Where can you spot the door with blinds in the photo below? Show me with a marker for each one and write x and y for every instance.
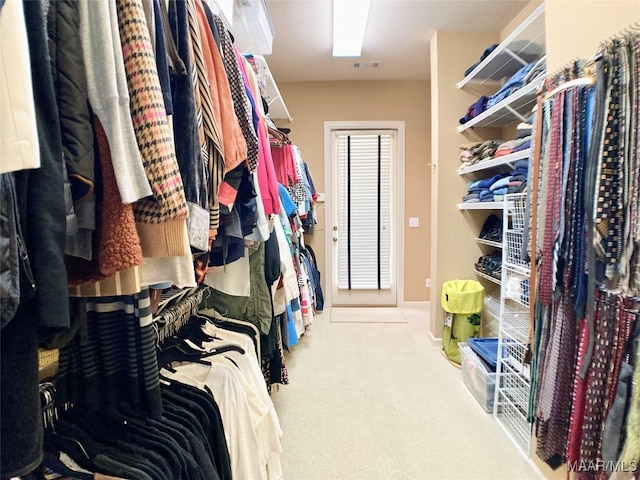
(364, 211)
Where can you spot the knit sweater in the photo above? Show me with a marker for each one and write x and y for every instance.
(160, 219)
(108, 94)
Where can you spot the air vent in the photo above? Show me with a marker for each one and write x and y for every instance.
(366, 64)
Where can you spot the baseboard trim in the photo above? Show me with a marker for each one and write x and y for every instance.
(536, 468)
(435, 341)
(421, 304)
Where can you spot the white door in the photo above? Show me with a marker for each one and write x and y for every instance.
(364, 215)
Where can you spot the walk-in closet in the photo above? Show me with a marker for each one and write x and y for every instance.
(320, 239)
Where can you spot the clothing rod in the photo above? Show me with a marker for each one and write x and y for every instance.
(571, 83)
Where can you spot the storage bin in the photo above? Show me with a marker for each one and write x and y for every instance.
(486, 349)
(478, 379)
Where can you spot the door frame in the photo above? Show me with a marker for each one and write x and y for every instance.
(330, 126)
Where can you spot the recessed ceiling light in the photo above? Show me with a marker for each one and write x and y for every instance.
(349, 25)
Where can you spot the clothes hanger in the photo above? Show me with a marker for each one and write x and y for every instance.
(220, 320)
(194, 332)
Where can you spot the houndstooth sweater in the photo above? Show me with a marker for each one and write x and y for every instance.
(160, 220)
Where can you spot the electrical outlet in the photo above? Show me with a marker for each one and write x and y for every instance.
(427, 283)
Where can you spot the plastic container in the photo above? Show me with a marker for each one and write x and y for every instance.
(487, 349)
(478, 379)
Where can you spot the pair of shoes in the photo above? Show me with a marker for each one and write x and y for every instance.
(490, 265)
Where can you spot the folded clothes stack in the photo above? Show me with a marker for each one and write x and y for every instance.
(518, 178)
(513, 146)
(472, 153)
(493, 189)
(485, 54)
(522, 77)
(475, 109)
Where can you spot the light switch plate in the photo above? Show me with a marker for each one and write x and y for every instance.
(414, 222)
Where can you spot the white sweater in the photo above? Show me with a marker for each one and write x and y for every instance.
(19, 147)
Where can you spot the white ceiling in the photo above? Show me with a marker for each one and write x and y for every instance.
(397, 34)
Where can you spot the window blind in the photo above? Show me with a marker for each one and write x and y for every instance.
(364, 211)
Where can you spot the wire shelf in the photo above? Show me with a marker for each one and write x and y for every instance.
(488, 277)
(489, 242)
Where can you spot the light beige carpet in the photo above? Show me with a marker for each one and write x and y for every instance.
(373, 401)
(367, 315)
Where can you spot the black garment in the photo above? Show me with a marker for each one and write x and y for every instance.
(205, 405)
(40, 191)
(317, 279)
(188, 420)
(16, 278)
(190, 443)
(21, 422)
(70, 83)
(40, 200)
(246, 202)
(119, 469)
(87, 431)
(80, 452)
(185, 126)
(271, 259)
(171, 445)
(155, 444)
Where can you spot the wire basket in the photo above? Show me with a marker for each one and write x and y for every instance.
(516, 324)
(514, 421)
(516, 210)
(515, 357)
(515, 286)
(514, 241)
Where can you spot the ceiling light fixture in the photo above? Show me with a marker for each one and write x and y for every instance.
(349, 25)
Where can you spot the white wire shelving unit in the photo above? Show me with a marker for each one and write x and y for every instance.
(513, 380)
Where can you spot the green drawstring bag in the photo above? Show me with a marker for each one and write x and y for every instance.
(462, 301)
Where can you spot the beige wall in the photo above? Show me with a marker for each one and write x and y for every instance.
(312, 103)
(575, 28)
(527, 10)
(453, 249)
